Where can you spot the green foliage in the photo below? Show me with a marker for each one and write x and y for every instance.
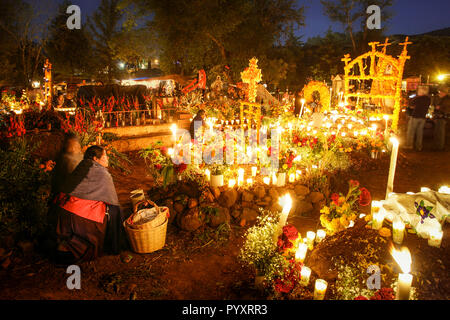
(24, 191)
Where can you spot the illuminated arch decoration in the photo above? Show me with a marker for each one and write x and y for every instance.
(323, 90)
(383, 70)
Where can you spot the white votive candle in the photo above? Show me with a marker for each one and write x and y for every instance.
(398, 231)
(377, 221)
(404, 286)
(320, 235)
(310, 236)
(300, 254)
(254, 169)
(208, 174)
(435, 238)
(292, 178)
(320, 289)
(266, 180)
(305, 275)
(231, 183)
(249, 181)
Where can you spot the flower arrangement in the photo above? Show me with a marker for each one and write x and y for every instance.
(159, 164)
(342, 209)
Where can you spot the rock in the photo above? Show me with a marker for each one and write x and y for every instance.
(318, 206)
(190, 189)
(246, 204)
(222, 216)
(190, 220)
(25, 246)
(236, 213)
(216, 192)
(228, 198)
(178, 207)
(273, 193)
(207, 196)
(275, 206)
(249, 215)
(262, 204)
(267, 199)
(301, 190)
(192, 203)
(316, 197)
(304, 207)
(172, 212)
(247, 196)
(259, 192)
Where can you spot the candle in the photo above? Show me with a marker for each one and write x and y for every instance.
(319, 289)
(173, 128)
(320, 235)
(231, 183)
(305, 274)
(398, 230)
(249, 181)
(266, 180)
(393, 164)
(444, 190)
(310, 236)
(403, 259)
(301, 110)
(254, 171)
(298, 174)
(377, 221)
(208, 174)
(240, 176)
(300, 254)
(286, 203)
(424, 189)
(386, 118)
(274, 178)
(292, 178)
(435, 238)
(170, 152)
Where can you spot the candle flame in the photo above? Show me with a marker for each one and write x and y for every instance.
(403, 258)
(286, 202)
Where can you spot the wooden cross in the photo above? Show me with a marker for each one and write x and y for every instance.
(384, 45)
(373, 45)
(346, 59)
(405, 44)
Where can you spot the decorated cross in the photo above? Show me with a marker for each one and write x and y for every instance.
(373, 45)
(346, 59)
(384, 45)
(405, 44)
(252, 75)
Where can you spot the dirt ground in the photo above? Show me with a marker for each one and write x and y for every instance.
(204, 265)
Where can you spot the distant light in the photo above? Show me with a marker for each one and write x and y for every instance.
(441, 77)
(36, 84)
(121, 65)
(156, 61)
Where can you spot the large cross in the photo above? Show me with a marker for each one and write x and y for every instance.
(373, 45)
(252, 75)
(346, 59)
(405, 44)
(384, 45)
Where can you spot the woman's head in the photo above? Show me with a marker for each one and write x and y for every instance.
(71, 143)
(97, 154)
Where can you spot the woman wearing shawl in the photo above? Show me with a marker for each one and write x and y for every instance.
(89, 212)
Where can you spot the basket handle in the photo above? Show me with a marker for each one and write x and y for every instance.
(145, 202)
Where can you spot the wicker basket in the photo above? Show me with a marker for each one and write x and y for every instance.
(147, 218)
(150, 236)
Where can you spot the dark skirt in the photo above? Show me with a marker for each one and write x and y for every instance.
(84, 238)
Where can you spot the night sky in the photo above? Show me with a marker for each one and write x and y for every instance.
(410, 16)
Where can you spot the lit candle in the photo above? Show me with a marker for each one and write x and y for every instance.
(208, 174)
(393, 164)
(266, 180)
(377, 221)
(298, 174)
(274, 178)
(424, 189)
(240, 176)
(301, 110)
(386, 118)
(305, 274)
(435, 238)
(398, 230)
(286, 203)
(300, 254)
(173, 128)
(403, 259)
(310, 236)
(249, 181)
(254, 171)
(320, 289)
(320, 235)
(444, 190)
(170, 152)
(292, 178)
(231, 183)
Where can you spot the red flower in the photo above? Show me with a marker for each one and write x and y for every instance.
(180, 168)
(158, 166)
(290, 232)
(354, 183)
(335, 198)
(283, 286)
(383, 294)
(361, 298)
(364, 198)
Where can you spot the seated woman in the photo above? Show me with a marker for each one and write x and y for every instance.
(88, 211)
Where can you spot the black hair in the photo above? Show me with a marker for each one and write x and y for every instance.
(93, 151)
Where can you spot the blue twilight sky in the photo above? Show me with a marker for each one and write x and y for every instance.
(410, 16)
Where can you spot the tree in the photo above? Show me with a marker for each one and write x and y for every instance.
(353, 12)
(69, 51)
(105, 25)
(201, 34)
(24, 26)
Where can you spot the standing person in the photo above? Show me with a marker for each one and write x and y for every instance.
(442, 110)
(89, 212)
(200, 118)
(419, 106)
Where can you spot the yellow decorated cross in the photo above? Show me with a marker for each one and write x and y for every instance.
(252, 75)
